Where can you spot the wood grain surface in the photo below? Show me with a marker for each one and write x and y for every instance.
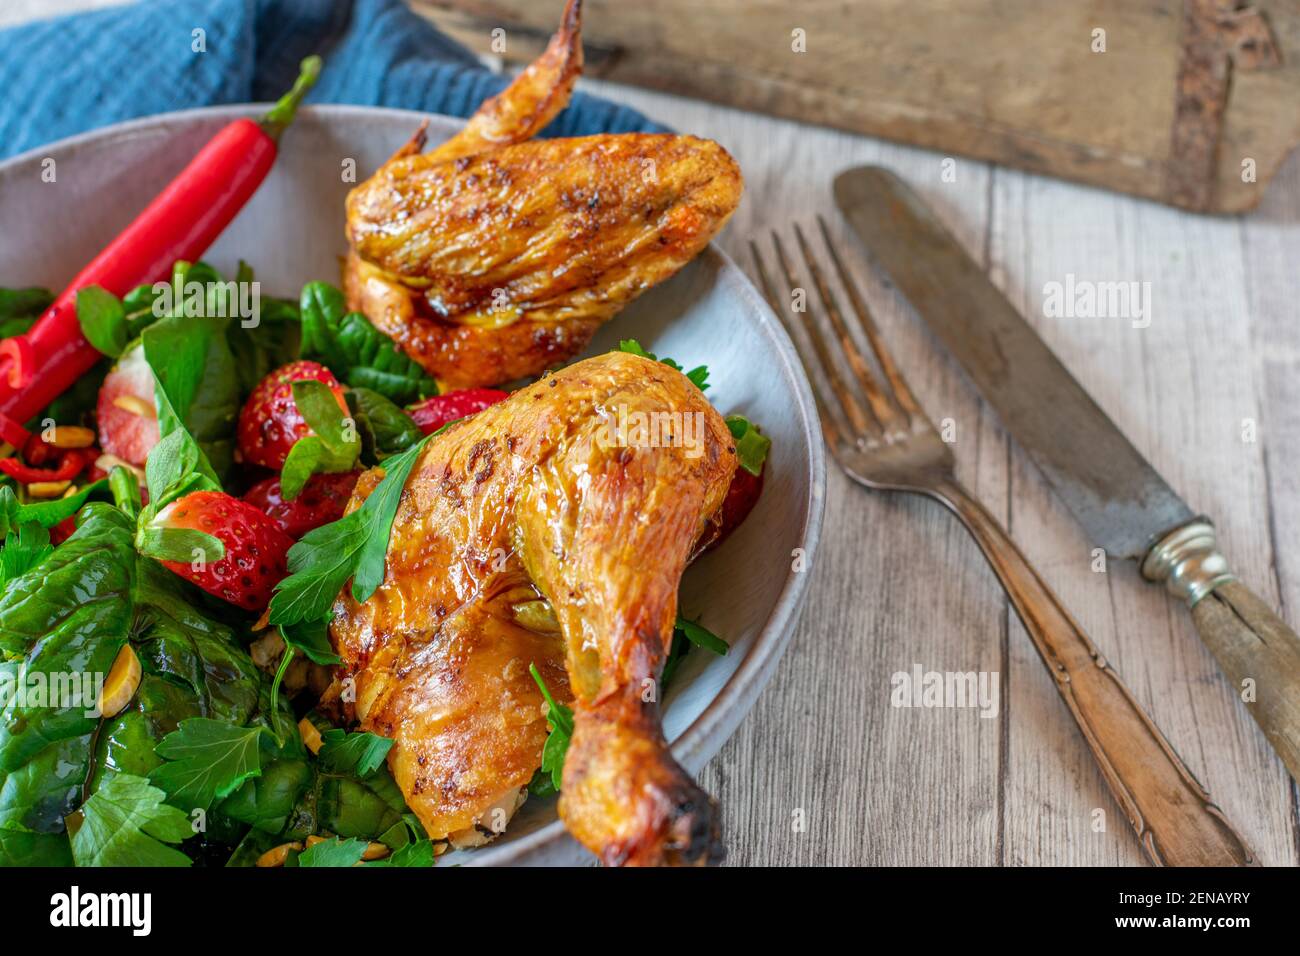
(825, 770)
(1160, 98)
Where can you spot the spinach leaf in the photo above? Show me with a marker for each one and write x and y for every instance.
(103, 320)
(71, 615)
(60, 623)
(126, 823)
(354, 350)
(45, 513)
(273, 342)
(385, 428)
(197, 386)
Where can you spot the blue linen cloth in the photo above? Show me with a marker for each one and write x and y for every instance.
(66, 75)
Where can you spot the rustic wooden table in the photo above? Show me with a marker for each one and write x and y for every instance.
(825, 770)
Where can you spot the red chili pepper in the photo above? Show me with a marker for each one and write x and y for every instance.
(181, 223)
(69, 465)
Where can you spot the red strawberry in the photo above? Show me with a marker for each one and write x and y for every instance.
(126, 412)
(432, 413)
(270, 422)
(321, 501)
(742, 495)
(256, 549)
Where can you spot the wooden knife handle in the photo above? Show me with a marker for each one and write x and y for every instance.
(1256, 650)
(1176, 821)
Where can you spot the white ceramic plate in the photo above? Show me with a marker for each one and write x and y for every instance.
(747, 591)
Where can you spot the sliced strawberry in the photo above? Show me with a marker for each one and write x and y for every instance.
(126, 413)
(742, 495)
(321, 501)
(256, 548)
(432, 413)
(63, 530)
(270, 422)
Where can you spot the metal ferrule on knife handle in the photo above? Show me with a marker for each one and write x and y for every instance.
(1254, 647)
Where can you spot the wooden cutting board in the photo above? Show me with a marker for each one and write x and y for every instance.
(1192, 103)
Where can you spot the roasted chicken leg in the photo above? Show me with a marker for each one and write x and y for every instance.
(542, 498)
(494, 257)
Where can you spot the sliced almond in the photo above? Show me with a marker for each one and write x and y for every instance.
(48, 489)
(72, 436)
(121, 683)
(310, 735)
(277, 855)
(107, 462)
(136, 406)
(374, 851)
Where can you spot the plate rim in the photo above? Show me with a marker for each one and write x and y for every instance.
(716, 724)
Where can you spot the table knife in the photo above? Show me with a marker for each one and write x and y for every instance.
(1118, 497)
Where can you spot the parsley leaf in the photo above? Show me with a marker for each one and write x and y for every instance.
(334, 852)
(355, 546)
(206, 760)
(126, 823)
(360, 754)
(416, 853)
(751, 445)
(333, 446)
(312, 638)
(561, 720)
(699, 376)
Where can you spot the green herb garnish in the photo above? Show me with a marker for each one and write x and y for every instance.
(126, 823)
(751, 445)
(699, 375)
(360, 754)
(334, 445)
(206, 760)
(560, 719)
(355, 546)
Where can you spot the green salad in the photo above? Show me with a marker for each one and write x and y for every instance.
(155, 710)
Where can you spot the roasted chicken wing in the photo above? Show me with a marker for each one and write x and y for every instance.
(545, 501)
(495, 256)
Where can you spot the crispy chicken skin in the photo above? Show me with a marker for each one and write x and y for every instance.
(523, 109)
(494, 256)
(537, 495)
(520, 253)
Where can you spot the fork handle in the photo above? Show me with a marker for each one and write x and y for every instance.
(1176, 821)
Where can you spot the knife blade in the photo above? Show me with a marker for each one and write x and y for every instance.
(1119, 498)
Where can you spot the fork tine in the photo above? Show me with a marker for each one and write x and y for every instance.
(906, 400)
(853, 411)
(885, 411)
(829, 426)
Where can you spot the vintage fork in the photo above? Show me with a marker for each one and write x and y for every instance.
(882, 439)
